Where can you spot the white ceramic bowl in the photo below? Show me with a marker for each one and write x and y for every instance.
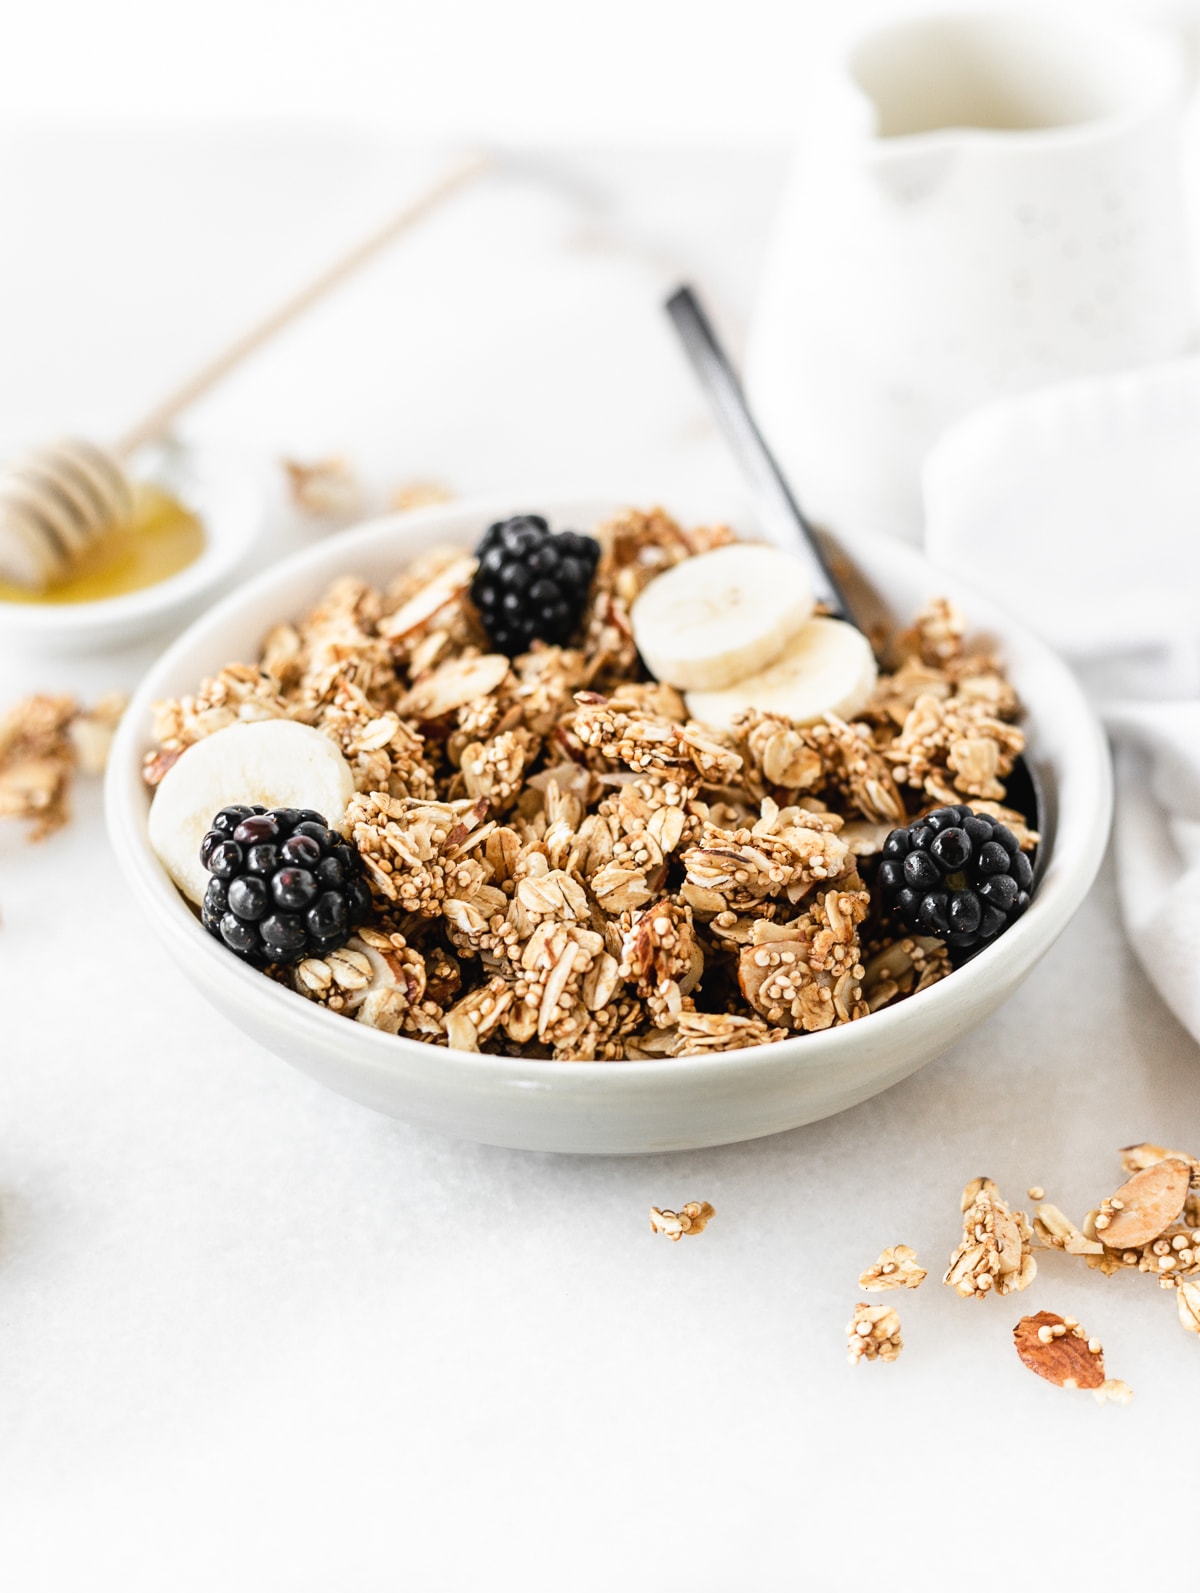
(227, 492)
(621, 1107)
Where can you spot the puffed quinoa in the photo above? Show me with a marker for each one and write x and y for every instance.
(562, 863)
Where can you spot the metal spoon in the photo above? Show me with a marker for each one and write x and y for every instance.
(777, 507)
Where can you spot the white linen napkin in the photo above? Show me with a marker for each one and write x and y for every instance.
(1078, 507)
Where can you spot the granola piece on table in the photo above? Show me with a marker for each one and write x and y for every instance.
(1146, 1205)
(37, 762)
(44, 742)
(896, 1269)
(994, 1256)
(325, 487)
(874, 1333)
(689, 1219)
(1058, 1349)
(1187, 1300)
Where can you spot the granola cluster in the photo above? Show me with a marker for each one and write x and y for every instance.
(44, 742)
(563, 864)
(1150, 1224)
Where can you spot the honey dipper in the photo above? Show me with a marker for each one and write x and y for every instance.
(58, 500)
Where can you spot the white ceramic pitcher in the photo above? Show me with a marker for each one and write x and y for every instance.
(981, 203)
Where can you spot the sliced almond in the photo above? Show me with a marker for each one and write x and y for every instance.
(1187, 1299)
(1144, 1205)
(1063, 1358)
(453, 684)
(445, 586)
(1136, 1157)
(1057, 1232)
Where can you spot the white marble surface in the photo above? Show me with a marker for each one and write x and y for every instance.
(254, 1337)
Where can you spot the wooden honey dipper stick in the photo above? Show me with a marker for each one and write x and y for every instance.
(57, 500)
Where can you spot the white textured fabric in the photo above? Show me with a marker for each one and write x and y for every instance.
(1083, 501)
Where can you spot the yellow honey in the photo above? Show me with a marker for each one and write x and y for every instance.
(162, 538)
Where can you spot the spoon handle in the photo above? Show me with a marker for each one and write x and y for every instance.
(778, 509)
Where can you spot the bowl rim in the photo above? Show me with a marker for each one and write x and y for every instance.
(238, 503)
(1071, 868)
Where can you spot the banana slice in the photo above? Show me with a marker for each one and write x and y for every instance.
(716, 618)
(275, 762)
(828, 668)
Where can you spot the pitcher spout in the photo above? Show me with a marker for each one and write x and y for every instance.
(912, 169)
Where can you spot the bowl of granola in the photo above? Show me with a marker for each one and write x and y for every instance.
(558, 911)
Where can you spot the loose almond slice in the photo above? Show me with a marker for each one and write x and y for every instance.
(1058, 1349)
(1187, 1299)
(1144, 1206)
(1057, 1232)
(1134, 1158)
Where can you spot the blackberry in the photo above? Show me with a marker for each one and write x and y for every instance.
(956, 874)
(532, 583)
(284, 885)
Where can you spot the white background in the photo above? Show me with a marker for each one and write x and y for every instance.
(617, 72)
(255, 1338)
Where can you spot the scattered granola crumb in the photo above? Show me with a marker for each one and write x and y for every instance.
(873, 1334)
(994, 1255)
(1187, 1300)
(1113, 1392)
(419, 495)
(1059, 1350)
(44, 741)
(689, 1219)
(1036, 1192)
(896, 1269)
(326, 487)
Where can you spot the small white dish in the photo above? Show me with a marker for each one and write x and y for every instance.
(226, 492)
(622, 1107)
